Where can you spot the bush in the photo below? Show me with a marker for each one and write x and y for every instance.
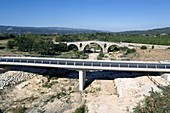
(19, 109)
(100, 56)
(143, 47)
(81, 109)
(129, 51)
(157, 102)
(80, 55)
(124, 48)
(113, 48)
(10, 44)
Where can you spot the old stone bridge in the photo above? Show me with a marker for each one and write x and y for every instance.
(106, 45)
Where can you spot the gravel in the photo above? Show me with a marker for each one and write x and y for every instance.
(21, 74)
(12, 78)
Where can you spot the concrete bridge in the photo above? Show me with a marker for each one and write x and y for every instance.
(106, 45)
(84, 65)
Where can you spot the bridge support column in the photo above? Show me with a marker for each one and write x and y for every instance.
(82, 79)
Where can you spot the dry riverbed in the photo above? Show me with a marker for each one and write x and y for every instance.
(107, 92)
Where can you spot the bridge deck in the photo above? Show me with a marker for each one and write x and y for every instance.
(87, 64)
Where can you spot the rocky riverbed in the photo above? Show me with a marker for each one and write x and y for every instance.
(12, 78)
(32, 91)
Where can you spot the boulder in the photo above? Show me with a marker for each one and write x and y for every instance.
(166, 76)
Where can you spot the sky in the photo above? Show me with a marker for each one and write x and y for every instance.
(109, 15)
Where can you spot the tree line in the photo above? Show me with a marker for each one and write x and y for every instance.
(7, 36)
(112, 37)
(129, 38)
(35, 43)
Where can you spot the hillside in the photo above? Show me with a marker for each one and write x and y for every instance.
(151, 31)
(44, 30)
(64, 30)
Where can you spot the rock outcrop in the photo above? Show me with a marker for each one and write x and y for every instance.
(107, 92)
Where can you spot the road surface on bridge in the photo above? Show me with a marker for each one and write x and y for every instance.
(81, 64)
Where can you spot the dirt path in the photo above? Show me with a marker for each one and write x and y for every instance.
(93, 56)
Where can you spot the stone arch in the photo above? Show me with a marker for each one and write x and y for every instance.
(72, 47)
(99, 45)
(109, 47)
(104, 45)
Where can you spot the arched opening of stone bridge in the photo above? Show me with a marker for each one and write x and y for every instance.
(93, 48)
(113, 48)
(72, 47)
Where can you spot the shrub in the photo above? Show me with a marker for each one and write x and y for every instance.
(19, 109)
(80, 55)
(124, 48)
(157, 102)
(130, 51)
(10, 44)
(113, 48)
(100, 56)
(81, 109)
(116, 49)
(143, 47)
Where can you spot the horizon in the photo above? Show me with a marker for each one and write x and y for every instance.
(112, 16)
(89, 29)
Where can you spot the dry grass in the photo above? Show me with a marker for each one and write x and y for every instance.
(4, 42)
(152, 55)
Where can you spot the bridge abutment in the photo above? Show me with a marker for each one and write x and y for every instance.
(82, 79)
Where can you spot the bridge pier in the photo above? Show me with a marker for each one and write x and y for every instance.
(82, 79)
(105, 50)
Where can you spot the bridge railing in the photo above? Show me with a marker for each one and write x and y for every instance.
(85, 63)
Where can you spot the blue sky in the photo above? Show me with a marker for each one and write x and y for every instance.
(111, 15)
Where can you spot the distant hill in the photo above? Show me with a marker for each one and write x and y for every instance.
(44, 30)
(64, 30)
(152, 31)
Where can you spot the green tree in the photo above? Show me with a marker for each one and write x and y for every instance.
(24, 43)
(46, 47)
(61, 47)
(10, 44)
(143, 47)
(156, 102)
